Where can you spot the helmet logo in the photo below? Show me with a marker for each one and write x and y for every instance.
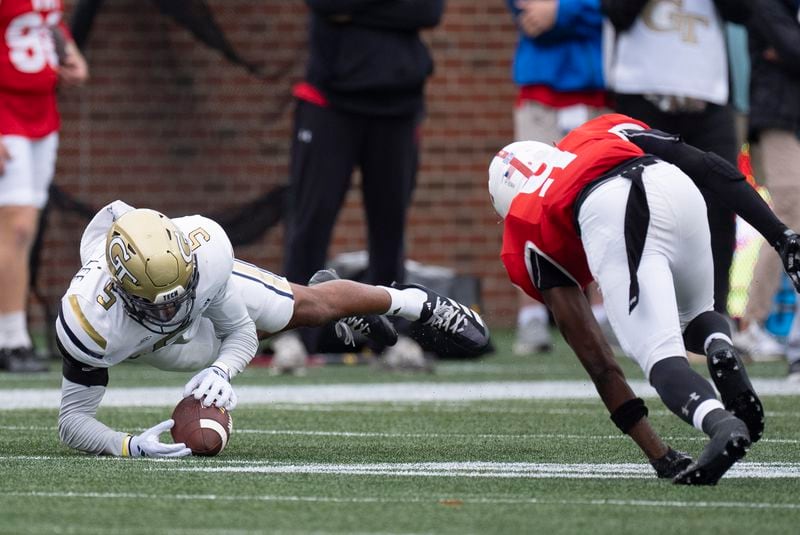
(185, 249)
(120, 271)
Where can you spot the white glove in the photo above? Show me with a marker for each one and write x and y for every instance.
(148, 445)
(213, 385)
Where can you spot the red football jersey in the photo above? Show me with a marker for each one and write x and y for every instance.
(28, 67)
(543, 220)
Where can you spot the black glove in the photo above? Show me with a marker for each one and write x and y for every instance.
(671, 464)
(788, 247)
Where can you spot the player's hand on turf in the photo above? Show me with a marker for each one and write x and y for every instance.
(213, 386)
(788, 247)
(671, 464)
(147, 444)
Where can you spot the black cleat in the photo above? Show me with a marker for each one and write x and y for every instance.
(671, 464)
(738, 395)
(447, 322)
(729, 443)
(21, 360)
(374, 327)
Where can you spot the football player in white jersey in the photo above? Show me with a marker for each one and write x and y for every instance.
(171, 293)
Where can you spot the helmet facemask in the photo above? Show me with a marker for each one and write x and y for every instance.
(171, 311)
(153, 270)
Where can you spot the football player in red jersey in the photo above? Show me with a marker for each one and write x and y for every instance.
(36, 53)
(619, 203)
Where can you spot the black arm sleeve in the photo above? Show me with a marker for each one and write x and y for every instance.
(80, 373)
(714, 176)
(622, 13)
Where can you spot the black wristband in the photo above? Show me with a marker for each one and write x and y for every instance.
(628, 414)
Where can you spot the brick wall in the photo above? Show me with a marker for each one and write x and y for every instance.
(169, 124)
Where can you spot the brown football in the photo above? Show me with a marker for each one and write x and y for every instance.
(204, 430)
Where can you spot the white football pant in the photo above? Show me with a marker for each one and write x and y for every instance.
(676, 277)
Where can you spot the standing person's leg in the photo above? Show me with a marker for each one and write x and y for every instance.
(323, 156)
(714, 130)
(534, 121)
(322, 160)
(23, 192)
(389, 158)
(781, 163)
(777, 155)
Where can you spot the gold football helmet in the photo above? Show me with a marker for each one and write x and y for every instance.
(153, 269)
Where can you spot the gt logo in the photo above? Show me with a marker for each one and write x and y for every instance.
(119, 267)
(672, 16)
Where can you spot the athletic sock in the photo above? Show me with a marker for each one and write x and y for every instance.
(406, 303)
(711, 420)
(528, 313)
(705, 328)
(684, 391)
(14, 330)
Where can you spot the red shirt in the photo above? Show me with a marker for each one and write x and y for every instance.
(547, 220)
(28, 67)
(548, 96)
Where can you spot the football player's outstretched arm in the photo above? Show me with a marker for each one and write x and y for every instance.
(574, 318)
(82, 389)
(85, 377)
(77, 426)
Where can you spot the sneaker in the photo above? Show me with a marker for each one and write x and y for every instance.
(374, 327)
(532, 337)
(406, 355)
(738, 395)
(289, 355)
(729, 443)
(447, 323)
(794, 372)
(758, 344)
(21, 360)
(671, 464)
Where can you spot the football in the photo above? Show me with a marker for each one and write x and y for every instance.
(204, 430)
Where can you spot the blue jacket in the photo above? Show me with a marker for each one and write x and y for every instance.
(568, 57)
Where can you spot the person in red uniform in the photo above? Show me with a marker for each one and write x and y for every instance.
(36, 53)
(622, 204)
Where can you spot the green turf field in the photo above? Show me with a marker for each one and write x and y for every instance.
(465, 465)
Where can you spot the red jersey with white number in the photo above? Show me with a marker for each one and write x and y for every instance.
(28, 67)
(543, 220)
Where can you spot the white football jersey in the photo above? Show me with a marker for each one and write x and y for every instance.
(93, 326)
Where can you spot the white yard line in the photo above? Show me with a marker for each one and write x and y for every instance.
(24, 398)
(492, 470)
(378, 434)
(748, 470)
(444, 500)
